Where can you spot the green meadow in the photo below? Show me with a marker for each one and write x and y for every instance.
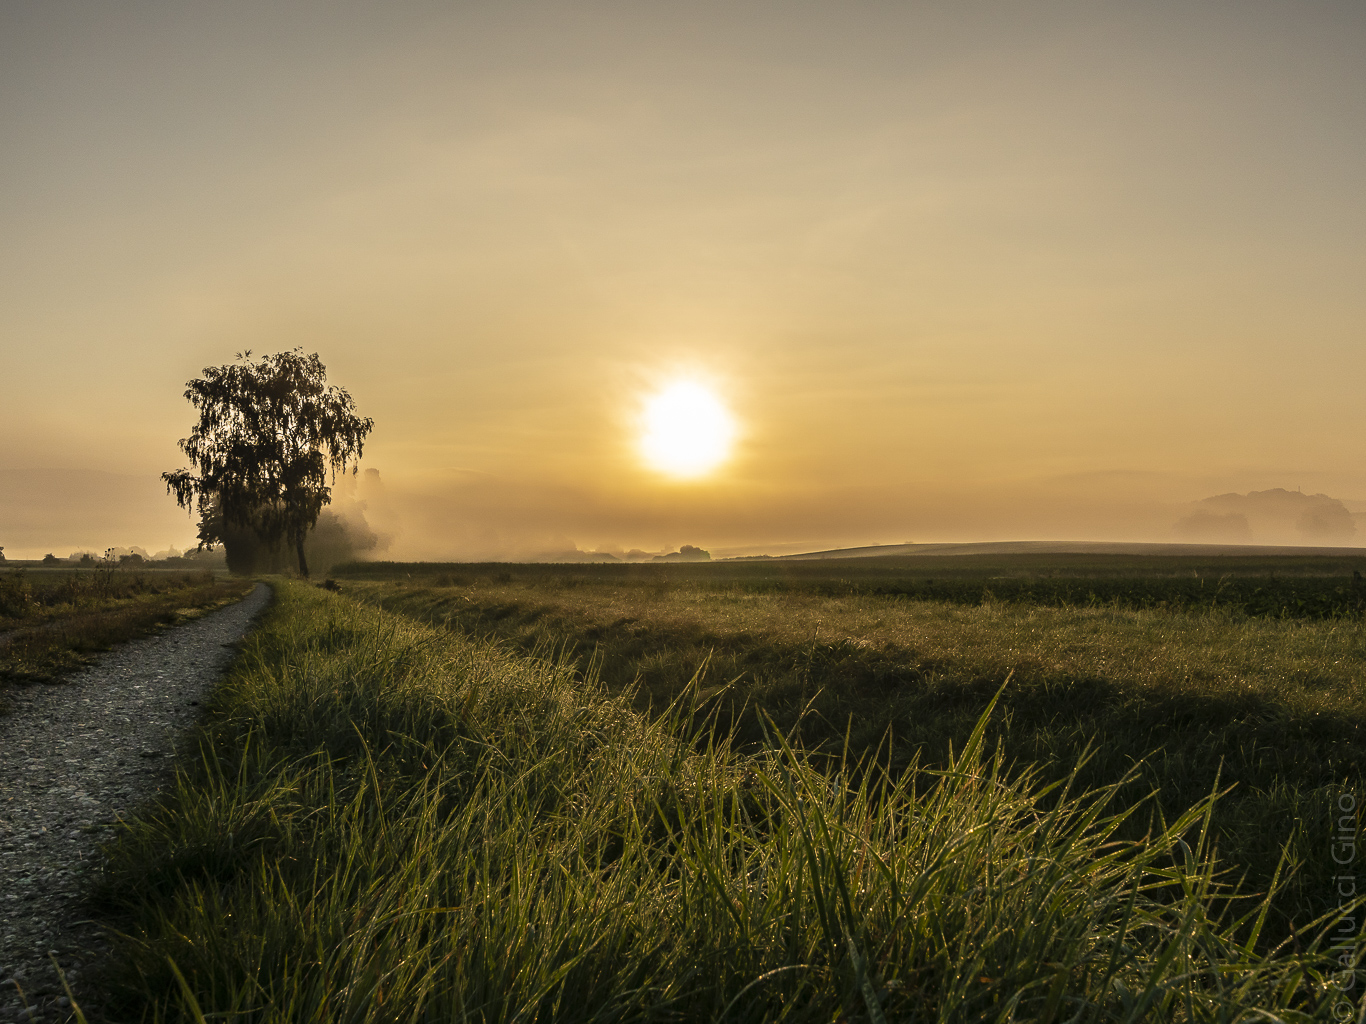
(763, 791)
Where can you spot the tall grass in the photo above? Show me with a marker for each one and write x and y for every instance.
(382, 822)
(26, 595)
(1274, 709)
(52, 622)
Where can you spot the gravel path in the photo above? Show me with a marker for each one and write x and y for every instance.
(73, 758)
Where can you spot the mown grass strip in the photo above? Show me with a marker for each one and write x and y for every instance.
(387, 822)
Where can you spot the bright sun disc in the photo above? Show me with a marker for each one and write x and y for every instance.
(687, 431)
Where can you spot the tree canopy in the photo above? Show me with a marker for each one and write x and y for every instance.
(270, 430)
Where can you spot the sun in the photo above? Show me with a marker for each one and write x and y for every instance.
(685, 431)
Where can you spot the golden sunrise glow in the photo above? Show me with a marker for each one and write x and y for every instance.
(758, 278)
(687, 432)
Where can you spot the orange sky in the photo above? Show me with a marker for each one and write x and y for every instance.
(961, 271)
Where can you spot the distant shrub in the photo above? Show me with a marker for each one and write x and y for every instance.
(16, 595)
(687, 553)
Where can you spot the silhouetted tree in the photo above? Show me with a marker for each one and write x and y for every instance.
(269, 430)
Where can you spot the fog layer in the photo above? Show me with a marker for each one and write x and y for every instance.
(959, 271)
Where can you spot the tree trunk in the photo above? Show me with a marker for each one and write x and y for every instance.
(299, 547)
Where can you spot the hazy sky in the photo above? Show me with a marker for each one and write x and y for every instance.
(959, 270)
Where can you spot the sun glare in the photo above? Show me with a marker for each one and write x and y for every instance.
(686, 430)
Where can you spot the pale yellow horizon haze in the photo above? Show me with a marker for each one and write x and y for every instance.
(959, 271)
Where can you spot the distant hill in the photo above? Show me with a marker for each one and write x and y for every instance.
(1054, 547)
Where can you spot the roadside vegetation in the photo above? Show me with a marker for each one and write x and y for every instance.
(1154, 699)
(381, 820)
(52, 621)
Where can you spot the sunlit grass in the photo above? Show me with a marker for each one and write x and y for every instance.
(1275, 708)
(388, 822)
(1148, 647)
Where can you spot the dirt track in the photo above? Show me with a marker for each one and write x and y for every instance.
(74, 757)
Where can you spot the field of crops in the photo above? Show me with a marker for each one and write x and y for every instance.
(384, 819)
(1281, 586)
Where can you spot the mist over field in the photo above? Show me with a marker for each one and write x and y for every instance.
(1275, 516)
(482, 518)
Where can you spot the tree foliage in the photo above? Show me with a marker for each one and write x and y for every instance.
(270, 430)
